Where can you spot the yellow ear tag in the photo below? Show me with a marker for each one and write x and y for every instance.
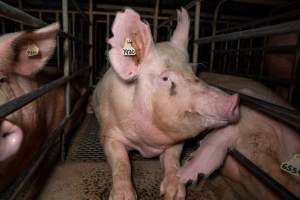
(32, 50)
(128, 50)
(292, 166)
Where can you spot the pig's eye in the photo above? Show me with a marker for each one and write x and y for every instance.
(165, 78)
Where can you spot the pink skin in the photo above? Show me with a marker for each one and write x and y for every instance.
(152, 102)
(261, 139)
(23, 132)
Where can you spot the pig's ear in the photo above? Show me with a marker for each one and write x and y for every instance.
(28, 52)
(180, 36)
(128, 25)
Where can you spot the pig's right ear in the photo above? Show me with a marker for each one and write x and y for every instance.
(25, 53)
(128, 25)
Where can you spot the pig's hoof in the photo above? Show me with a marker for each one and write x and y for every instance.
(122, 192)
(172, 188)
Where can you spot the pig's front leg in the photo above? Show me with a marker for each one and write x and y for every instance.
(117, 156)
(209, 156)
(171, 187)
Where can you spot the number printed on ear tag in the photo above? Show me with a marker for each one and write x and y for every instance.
(128, 49)
(292, 166)
(32, 50)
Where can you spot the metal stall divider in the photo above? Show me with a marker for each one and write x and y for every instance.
(17, 15)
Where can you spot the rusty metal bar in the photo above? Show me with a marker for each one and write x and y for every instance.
(25, 99)
(288, 27)
(271, 183)
(196, 30)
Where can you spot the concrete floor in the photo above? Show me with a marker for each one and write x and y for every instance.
(85, 175)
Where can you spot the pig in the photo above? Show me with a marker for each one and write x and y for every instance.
(152, 101)
(264, 140)
(23, 132)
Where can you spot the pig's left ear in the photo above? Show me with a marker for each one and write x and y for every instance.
(180, 36)
(128, 26)
(33, 49)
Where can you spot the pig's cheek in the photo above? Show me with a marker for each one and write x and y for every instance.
(213, 123)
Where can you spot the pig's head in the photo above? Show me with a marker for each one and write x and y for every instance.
(165, 85)
(22, 54)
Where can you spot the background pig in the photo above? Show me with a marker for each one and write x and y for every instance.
(152, 101)
(23, 132)
(261, 139)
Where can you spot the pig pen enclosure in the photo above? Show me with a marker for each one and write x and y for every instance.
(256, 39)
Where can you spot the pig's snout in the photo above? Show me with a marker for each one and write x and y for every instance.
(232, 113)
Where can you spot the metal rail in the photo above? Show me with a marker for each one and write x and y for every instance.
(84, 17)
(288, 27)
(288, 116)
(17, 15)
(276, 187)
(23, 100)
(54, 139)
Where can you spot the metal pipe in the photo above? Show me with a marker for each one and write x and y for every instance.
(91, 41)
(74, 59)
(155, 20)
(20, 4)
(40, 156)
(196, 30)
(25, 99)
(288, 27)
(65, 16)
(288, 116)
(57, 44)
(80, 11)
(262, 176)
(107, 37)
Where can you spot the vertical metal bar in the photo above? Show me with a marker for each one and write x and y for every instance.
(196, 30)
(57, 44)
(237, 55)
(225, 56)
(74, 60)
(20, 3)
(40, 14)
(249, 56)
(91, 41)
(80, 44)
(66, 69)
(294, 70)
(261, 69)
(3, 26)
(107, 36)
(155, 20)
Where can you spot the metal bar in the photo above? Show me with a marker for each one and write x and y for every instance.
(74, 59)
(237, 56)
(155, 20)
(288, 27)
(20, 4)
(288, 116)
(80, 11)
(107, 37)
(262, 176)
(57, 44)
(279, 49)
(66, 70)
(196, 30)
(25, 99)
(91, 40)
(40, 156)
(294, 71)
(261, 68)
(249, 56)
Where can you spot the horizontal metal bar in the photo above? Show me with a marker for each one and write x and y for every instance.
(288, 116)
(80, 12)
(17, 15)
(39, 156)
(25, 99)
(279, 49)
(262, 176)
(288, 27)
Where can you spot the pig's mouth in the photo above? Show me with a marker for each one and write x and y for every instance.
(11, 137)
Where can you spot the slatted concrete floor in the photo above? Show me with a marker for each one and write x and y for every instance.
(86, 175)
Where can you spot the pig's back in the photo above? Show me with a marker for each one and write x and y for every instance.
(244, 86)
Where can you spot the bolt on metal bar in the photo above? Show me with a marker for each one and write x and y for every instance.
(286, 115)
(80, 11)
(25, 99)
(40, 156)
(288, 27)
(272, 184)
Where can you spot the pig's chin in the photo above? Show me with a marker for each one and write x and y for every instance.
(11, 137)
(216, 123)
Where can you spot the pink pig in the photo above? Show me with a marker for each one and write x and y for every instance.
(152, 102)
(263, 140)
